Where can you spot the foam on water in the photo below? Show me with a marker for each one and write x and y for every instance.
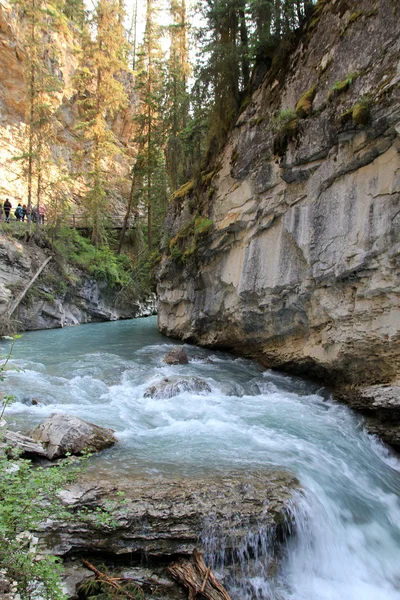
(347, 518)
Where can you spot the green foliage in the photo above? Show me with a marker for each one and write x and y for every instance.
(202, 226)
(183, 191)
(184, 244)
(27, 497)
(340, 87)
(285, 127)
(101, 263)
(283, 120)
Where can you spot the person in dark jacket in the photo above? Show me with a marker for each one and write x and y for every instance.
(7, 207)
(19, 212)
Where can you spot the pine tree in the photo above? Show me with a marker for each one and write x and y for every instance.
(177, 97)
(42, 91)
(151, 134)
(102, 95)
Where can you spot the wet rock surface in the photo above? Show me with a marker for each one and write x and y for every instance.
(177, 356)
(64, 434)
(161, 519)
(380, 405)
(172, 386)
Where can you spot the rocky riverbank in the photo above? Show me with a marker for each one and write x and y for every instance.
(147, 524)
(63, 294)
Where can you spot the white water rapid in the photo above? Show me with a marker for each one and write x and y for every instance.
(347, 545)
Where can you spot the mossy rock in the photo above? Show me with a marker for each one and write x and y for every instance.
(235, 156)
(340, 87)
(183, 191)
(361, 114)
(304, 105)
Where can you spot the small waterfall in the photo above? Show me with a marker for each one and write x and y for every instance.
(246, 557)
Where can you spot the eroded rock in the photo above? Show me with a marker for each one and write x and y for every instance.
(170, 387)
(380, 404)
(177, 356)
(13, 442)
(163, 518)
(62, 434)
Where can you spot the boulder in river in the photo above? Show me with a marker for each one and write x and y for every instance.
(172, 386)
(177, 356)
(64, 434)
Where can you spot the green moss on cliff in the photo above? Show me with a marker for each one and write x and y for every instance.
(184, 244)
(341, 87)
(183, 191)
(304, 105)
(285, 126)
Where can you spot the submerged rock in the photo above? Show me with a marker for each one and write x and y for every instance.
(177, 356)
(64, 434)
(163, 518)
(170, 387)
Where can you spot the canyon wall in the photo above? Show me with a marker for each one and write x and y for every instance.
(301, 266)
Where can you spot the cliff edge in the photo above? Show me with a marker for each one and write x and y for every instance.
(293, 257)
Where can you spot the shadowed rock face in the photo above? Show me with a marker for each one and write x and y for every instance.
(301, 269)
(162, 518)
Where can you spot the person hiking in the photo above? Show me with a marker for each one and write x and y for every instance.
(42, 212)
(24, 211)
(7, 207)
(1, 212)
(18, 212)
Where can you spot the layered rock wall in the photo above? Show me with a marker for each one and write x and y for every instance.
(62, 295)
(302, 267)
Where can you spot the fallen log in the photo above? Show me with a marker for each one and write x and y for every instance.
(198, 578)
(17, 301)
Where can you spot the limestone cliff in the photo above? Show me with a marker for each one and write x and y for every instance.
(301, 266)
(13, 112)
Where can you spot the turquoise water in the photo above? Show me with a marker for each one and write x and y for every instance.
(348, 519)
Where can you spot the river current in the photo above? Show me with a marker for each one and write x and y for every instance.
(347, 545)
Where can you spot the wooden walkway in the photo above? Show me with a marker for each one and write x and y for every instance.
(114, 222)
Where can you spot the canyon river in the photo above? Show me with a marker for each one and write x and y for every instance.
(347, 542)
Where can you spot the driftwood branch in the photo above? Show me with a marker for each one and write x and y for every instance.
(198, 578)
(111, 581)
(22, 294)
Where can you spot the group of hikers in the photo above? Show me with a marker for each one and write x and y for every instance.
(21, 213)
